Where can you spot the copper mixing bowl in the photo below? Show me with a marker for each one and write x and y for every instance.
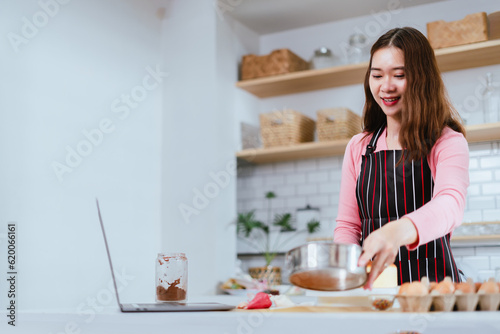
(325, 266)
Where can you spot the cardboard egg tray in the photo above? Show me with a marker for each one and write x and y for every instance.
(450, 302)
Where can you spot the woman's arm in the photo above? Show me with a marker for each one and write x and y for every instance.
(348, 229)
(449, 163)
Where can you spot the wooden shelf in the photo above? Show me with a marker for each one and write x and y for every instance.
(483, 132)
(295, 152)
(449, 59)
(305, 81)
(476, 240)
(475, 133)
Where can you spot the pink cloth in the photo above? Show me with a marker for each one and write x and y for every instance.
(449, 164)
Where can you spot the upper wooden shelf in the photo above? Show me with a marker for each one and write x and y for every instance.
(449, 59)
(475, 134)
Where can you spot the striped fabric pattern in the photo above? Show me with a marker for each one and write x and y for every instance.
(387, 191)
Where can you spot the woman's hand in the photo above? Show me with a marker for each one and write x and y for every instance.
(383, 244)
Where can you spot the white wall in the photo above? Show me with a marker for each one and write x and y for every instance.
(61, 82)
(200, 138)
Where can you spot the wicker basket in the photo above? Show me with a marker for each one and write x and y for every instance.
(277, 62)
(337, 123)
(272, 275)
(286, 127)
(494, 25)
(471, 29)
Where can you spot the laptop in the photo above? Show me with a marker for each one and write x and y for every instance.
(157, 307)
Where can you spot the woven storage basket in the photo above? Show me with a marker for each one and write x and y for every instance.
(286, 127)
(277, 62)
(337, 123)
(471, 29)
(494, 25)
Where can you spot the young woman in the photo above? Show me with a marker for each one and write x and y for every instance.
(405, 178)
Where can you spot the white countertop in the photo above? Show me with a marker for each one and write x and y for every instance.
(111, 320)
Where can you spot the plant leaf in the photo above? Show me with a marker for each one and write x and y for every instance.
(270, 194)
(285, 221)
(247, 223)
(313, 226)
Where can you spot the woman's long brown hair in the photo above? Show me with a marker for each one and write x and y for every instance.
(426, 109)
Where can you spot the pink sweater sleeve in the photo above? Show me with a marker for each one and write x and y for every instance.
(449, 163)
(348, 229)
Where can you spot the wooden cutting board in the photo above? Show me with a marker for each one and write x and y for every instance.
(331, 304)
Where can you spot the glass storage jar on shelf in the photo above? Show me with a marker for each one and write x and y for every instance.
(323, 58)
(491, 100)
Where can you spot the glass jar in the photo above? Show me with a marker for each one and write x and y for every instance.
(323, 58)
(491, 100)
(357, 44)
(171, 277)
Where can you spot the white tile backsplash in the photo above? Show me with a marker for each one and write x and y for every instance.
(328, 163)
(480, 176)
(484, 275)
(297, 202)
(471, 216)
(285, 167)
(473, 163)
(495, 262)
(474, 190)
(481, 202)
(285, 191)
(329, 187)
(307, 189)
(490, 162)
(274, 180)
(463, 251)
(335, 175)
(317, 177)
(488, 251)
(473, 264)
(480, 149)
(306, 165)
(319, 200)
(491, 215)
(497, 175)
(296, 178)
(492, 188)
(265, 169)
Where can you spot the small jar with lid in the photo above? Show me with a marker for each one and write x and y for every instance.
(356, 51)
(323, 58)
(171, 277)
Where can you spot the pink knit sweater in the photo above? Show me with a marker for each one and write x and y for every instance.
(449, 164)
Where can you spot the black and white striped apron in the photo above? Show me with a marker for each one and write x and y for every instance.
(386, 192)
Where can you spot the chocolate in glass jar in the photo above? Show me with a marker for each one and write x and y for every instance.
(171, 277)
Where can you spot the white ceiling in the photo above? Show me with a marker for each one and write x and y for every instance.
(269, 16)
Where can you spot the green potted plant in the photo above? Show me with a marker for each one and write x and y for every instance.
(262, 242)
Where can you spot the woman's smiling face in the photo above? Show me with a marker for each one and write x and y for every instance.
(388, 81)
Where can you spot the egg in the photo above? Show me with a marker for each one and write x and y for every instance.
(444, 287)
(489, 287)
(464, 287)
(414, 289)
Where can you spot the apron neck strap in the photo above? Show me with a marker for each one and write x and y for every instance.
(373, 142)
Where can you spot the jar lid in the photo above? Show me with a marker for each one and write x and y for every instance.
(357, 40)
(323, 51)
